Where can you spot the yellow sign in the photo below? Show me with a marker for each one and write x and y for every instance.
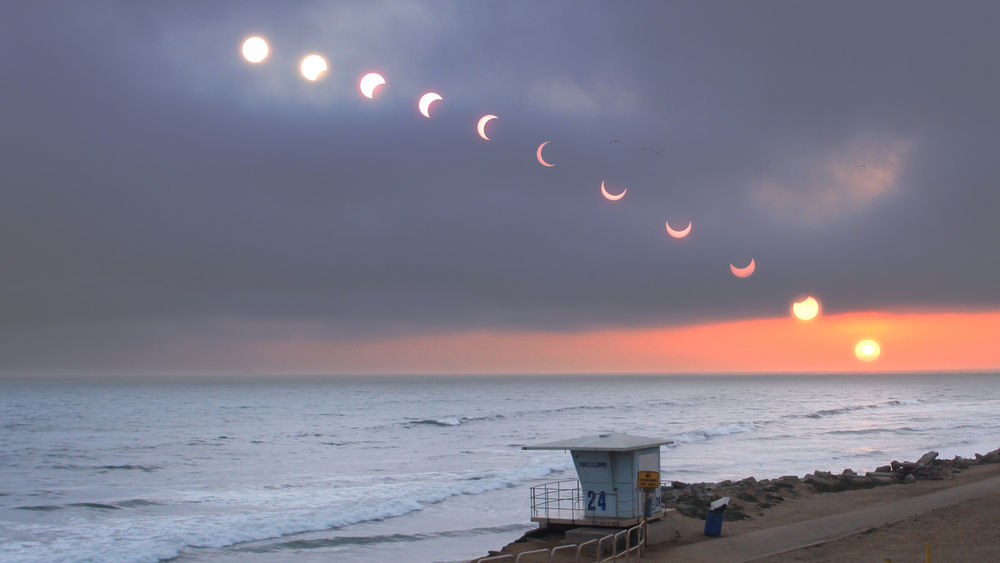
(648, 479)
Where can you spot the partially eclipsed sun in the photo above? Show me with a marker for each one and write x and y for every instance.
(481, 126)
(424, 105)
(538, 155)
(609, 196)
(312, 67)
(369, 82)
(867, 350)
(744, 272)
(807, 309)
(678, 233)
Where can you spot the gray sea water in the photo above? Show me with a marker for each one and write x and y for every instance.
(413, 469)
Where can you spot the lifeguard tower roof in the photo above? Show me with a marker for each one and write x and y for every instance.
(610, 442)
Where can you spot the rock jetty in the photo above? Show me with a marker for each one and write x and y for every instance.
(749, 496)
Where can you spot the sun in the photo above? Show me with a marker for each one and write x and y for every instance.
(807, 309)
(867, 350)
(312, 67)
(255, 49)
(369, 82)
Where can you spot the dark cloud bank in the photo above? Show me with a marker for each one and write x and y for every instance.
(155, 185)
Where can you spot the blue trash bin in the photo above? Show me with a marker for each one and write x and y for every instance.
(713, 522)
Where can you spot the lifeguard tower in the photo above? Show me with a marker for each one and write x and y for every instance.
(618, 485)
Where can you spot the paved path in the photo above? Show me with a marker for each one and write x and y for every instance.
(771, 541)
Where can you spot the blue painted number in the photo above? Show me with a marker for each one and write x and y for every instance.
(602, 501)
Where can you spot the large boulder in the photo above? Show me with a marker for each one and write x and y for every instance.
(926, 459)
(881, 476)
(992, 457)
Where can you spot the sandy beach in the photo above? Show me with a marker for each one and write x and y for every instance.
(963, 530)
(967, 531)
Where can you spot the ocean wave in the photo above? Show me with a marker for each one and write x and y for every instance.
(448, 421)
(452, 420)
(910, 429)
(833, 412)
(853, 408)
(129, 467)
(348, 443)
(581, 408)
(723, 430)
(320, 543)
(263, 513)
(137, 502)
(456, 420)
(97, 505)
(40, 508)
(867, 431)
(107, 468)
(132, 503)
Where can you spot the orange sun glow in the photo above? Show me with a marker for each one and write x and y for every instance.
(867, 350)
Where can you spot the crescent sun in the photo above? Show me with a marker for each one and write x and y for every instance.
(744, 272)
(612, 197)
(425, 102)
(538, 155)
(481, 127)
(681, 233)
(369, 82)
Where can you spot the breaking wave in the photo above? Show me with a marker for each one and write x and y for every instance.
(822, 413)
(271, 513)
(724, 430)
(452, 420)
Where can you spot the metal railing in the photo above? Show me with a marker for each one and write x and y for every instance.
(565, 500)
(619, 549)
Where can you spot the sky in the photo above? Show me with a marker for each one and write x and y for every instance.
(168, 207)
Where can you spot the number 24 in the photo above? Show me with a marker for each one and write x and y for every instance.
(602, 502)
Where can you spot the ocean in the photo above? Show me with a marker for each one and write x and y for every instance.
(413, 469)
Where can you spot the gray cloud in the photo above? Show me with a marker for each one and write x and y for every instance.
(152, 178)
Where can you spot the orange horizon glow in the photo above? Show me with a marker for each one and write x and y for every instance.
(931, 341)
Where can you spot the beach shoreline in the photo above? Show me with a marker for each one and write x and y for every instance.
(958, 531)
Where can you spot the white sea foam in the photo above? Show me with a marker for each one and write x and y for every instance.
(268, 512)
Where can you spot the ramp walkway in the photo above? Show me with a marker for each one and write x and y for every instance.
(772, 541)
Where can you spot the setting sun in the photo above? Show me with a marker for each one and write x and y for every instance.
(867, 350)
(807, 309)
